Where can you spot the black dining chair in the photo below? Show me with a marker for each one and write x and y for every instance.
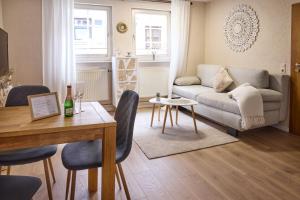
(18, 187)
(18, 97)
(87, 155)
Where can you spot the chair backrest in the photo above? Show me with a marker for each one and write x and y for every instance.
(18, 187)
(18, 95)
(125, 117)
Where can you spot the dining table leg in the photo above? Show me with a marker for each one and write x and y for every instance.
(109, 163)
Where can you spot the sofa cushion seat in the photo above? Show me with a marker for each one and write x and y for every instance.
(270, 95)
(223, 102)
(191, 91)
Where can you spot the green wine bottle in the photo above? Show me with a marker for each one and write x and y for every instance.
(69, 105)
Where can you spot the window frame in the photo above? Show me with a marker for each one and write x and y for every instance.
(86, 58)
(158, 57)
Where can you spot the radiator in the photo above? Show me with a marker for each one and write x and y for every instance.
(95, 83)
(153, 80)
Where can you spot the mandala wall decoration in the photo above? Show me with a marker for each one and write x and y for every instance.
(241, 28)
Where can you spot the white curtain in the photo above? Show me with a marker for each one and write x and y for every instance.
(59, 67)
(180, 28)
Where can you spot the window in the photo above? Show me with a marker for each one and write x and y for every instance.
(152, 30)
(92, 31)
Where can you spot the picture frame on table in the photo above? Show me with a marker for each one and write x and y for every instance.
(44, 105)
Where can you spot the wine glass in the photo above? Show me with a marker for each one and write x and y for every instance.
(79, 93)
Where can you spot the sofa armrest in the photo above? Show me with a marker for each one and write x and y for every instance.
(281, 83)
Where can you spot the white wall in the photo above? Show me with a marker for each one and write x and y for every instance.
(23, 22)
(272, 48)
(153, 78)
(123, 43)
(196, 44)
(121, 12)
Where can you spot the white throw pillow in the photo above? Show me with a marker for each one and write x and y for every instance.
(188, 80)
(222, 80)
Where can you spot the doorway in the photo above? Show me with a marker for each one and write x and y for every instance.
(295, 71)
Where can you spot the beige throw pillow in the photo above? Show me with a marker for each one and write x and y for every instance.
(187, 80)
(222, 80)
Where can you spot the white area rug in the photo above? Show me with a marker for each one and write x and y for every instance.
(178, 139)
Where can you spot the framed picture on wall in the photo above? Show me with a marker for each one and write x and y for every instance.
(43, 105)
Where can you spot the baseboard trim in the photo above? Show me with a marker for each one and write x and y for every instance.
(282, 128)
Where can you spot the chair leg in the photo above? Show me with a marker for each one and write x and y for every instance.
(68, 184)
(124, 181)
(51, 170)
(47, 179)
(8, 170)
(118, 178)
(73, 184)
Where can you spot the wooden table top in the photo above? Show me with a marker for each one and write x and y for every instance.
(16, 121)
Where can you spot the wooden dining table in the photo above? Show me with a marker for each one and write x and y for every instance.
(17, 131)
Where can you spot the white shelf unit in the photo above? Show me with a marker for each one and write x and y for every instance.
(124, 76)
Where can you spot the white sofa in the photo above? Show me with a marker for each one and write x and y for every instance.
(222, 109)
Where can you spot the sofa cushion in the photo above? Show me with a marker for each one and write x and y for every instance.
(187, 80)
(223, 102)
(256, 77)
(191, 91)
(207, 73)
(222, 80)
(270, 95)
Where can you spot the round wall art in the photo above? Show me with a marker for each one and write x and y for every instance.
(241, 28)
(122, 27)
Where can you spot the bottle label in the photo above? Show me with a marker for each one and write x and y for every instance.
(69, 111)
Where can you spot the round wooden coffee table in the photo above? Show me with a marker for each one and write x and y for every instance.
(169, 103)
(158, 102)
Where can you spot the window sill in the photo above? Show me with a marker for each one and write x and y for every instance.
(92, 61)
(153, 61)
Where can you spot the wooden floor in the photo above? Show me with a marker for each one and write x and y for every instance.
(264, 165)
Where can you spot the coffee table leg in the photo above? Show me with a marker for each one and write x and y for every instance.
(170, 112)
(159, 112)
(193, 114)
(176, 114)
(153, 110)
(165, 119)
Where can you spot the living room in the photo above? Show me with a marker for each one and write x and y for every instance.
(149, 99)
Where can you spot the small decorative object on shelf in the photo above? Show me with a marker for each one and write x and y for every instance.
(157, 96)
(5, 87)
(128, 54)
(153, 55)
(124, 76)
